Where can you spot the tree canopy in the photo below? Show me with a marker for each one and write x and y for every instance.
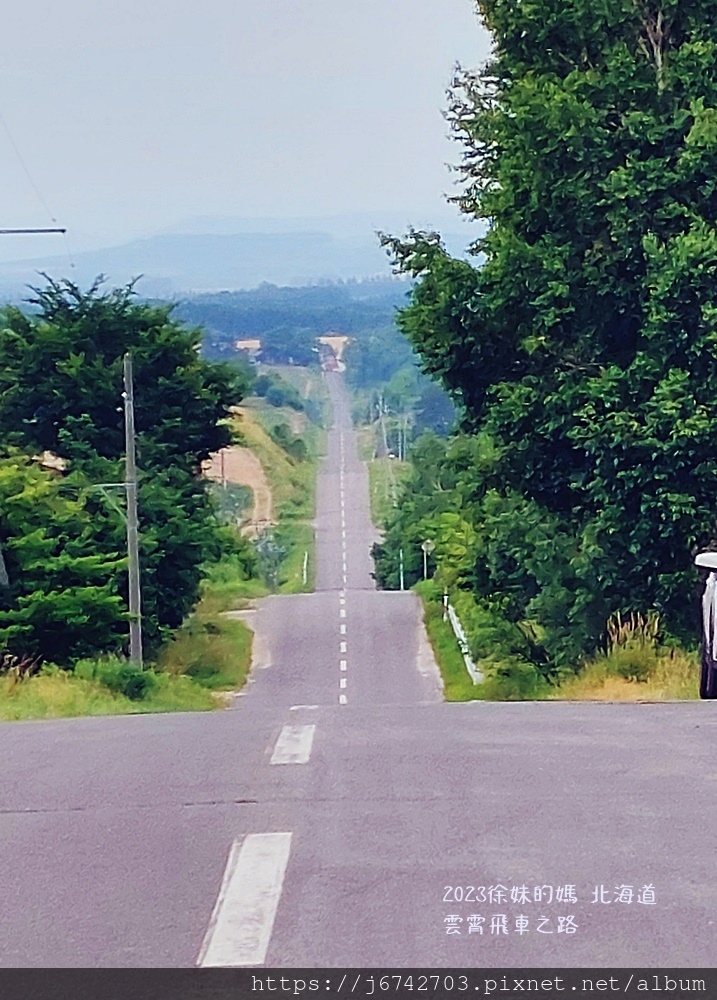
(61, 391)
(583, 343)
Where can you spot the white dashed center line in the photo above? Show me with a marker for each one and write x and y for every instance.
(342, 699)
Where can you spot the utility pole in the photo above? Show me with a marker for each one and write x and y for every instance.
(135, 595)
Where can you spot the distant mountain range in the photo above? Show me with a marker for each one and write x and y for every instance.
(217, 254)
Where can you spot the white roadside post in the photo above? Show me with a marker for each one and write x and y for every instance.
(708, 658)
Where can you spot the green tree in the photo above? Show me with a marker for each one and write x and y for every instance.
(61, 379)
(584, 343)
(60, 600)
(60, 390)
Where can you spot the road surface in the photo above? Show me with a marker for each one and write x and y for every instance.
(342, 815)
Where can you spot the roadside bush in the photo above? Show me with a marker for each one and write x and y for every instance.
(295, 447)
(119, 677)
(278, 392)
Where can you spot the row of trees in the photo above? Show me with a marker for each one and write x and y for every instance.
(582, 350)
(63, 577)
(288, 320)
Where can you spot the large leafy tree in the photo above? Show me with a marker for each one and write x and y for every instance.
(61, 379)
(584, 342)
(61, 391)
(59, 593)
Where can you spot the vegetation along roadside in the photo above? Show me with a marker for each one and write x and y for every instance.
(63, 572)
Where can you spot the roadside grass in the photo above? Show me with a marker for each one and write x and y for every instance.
(213, 651)
(225, 587)
(385, 476)
(293, 485)
(457, 683)
(366, 442)
(292, 482)
(54, 694)
(297, 538)
(649, 674)
(308, 382)
(633, 674)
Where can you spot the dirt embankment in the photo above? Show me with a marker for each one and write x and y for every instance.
(241, 467)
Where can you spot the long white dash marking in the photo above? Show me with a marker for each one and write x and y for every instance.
(342, 612)
(342, 664)
(342, 699)
(293, 745)
(243, 917)
(343, 648)
(342, 682)
(342, 628)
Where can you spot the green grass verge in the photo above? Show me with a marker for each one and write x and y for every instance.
(292, 482)
(640, 673)
(293, 486)
(457, 683)
(385, 476)
(297, 538)
(226, 588)
(366, 442)
(57, 694)
(213, 651)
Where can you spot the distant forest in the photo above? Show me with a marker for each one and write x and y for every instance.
(288, 320)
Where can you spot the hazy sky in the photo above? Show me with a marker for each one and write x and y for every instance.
(132, 115)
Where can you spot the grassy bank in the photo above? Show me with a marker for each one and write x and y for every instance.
(385, 476)
(457, 684)
(637, 672)
(293, 485)
(663, 675)
(59, 694)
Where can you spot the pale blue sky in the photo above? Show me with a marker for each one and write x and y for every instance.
(133, 115)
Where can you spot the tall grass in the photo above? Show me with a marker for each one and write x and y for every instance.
(647, 674)
(211, 650)
(58, 694)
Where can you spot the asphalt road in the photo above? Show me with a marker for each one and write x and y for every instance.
(342, 815)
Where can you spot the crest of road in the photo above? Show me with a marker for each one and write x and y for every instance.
(342, 814)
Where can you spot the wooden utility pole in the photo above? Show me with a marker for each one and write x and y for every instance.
(135, 594)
